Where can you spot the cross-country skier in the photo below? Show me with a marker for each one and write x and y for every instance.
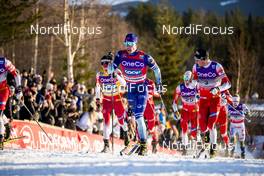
(6, 67)
(237, 112)
(133, 64)
(188, 94)
(149, 114)
(212, 80)
(222, 120)
(111, 87)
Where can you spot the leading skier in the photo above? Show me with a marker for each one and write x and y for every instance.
(133, 64)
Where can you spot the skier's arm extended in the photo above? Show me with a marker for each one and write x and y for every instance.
(12, 69)
(153, 65)
(97, 87)
(246, 111)
(176, 97)
(225, 83)
(113, 66)
(120, 78)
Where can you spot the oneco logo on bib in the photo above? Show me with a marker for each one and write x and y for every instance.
(133, 72)
(207, 75)
(103, 80)
(136, 64)
(191, 93)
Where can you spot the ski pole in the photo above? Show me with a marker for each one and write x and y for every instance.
(162, 102)
(35, 120)
(112, 117)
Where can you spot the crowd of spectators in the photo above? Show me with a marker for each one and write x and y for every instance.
(59, 103)
(72, 106)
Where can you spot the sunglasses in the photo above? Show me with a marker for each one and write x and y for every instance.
(104, 63)
(130, 43)
(186, 78)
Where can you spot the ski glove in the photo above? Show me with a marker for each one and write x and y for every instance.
(19, 93)
(215, 91)
(160, 89)
(110, 68)
(97, 101)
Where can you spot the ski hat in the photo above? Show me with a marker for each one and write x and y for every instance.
(187, 76)
(201, 54)
(107, 58)
(131, 38)
(236, 98)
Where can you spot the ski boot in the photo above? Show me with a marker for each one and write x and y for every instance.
(154, 146)
(227, 151)
(213, 149)
(7, 131)
(138, 149)
(126, 138)
(242, 147)
(243, 156)
(184, 150)
(1, 142)
(232, 152)
(206, 137)
(143, 148)
(106, 148)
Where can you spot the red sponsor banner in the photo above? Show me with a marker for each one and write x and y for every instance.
(61, 139)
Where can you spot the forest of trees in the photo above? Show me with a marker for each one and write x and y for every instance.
(77, 56)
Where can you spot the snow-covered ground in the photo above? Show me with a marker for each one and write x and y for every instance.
(32, 162)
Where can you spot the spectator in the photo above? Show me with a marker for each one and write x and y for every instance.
(47, 111)
(30, 111)
(72, 116)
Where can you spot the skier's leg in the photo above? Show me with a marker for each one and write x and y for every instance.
(242, 136)
(121, 115)
(141, 100)
(203, 115)
(212, 119)
(223, 132)
(186, 117)
(149, 115)
(4, 93)
(222, 121)
(2, 130)
(107, 129)
(232, 139)
(194, 123)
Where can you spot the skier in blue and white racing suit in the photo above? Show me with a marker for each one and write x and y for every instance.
(134, 63)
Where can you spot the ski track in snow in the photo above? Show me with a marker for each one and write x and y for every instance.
(35, 162)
